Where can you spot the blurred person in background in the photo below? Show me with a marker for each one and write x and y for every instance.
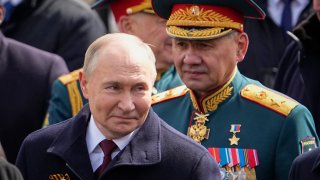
(26, 77)
(268, 38)
(298, 71)
(8, 171)
(63, 27)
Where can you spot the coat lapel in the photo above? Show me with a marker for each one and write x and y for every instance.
(71, 145)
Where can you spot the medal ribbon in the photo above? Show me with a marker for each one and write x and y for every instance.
(253, 158)
(234, 157)
(224, 155)
(242, 161)
(215, 153)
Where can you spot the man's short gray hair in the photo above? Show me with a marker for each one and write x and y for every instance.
(129, 41)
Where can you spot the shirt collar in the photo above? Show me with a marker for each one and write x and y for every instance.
(94, 137)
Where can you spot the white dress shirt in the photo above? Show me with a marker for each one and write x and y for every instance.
(94, 137)
(275, 9)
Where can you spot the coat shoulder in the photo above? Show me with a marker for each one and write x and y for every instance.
(169, 94)
(268, 98)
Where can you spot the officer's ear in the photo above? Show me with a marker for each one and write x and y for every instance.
(125, 25)
(83, 84)
(243, 42)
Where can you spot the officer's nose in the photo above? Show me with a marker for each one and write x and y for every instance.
(126, 103)
(191, 58)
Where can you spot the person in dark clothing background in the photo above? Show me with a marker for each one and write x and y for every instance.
(26, 76)
(267, 43)
(8, 171)
(63, 27)
(299, 67)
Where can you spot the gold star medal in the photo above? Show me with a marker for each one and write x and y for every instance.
(235, 128)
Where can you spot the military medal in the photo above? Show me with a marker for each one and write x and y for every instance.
(236, 163)
(199, 131)
(235, 128)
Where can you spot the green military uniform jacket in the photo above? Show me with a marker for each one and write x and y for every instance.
(67, 99)
(168, 80)
(267, 130)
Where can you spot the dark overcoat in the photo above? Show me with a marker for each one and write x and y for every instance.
(306, 166)
(156, 152)
(26, 76)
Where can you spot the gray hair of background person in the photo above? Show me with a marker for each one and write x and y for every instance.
(131, 43)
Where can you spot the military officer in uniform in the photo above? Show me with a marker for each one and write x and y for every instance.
(133, 17)
(252, 131)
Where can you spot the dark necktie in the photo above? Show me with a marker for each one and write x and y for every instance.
(286, 19)
(107, 147)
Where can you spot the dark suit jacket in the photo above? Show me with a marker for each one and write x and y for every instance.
(156, 152)
(306, 166)
(63, 27)
(267, 42)
(26, 76)
(298, 72)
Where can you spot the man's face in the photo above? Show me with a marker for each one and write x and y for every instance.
(119, 91)
(152, 30)
(206, 65)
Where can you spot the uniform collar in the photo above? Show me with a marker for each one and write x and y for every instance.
(211, 101)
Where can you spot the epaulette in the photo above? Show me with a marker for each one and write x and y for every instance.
(169, 94)
(68, 78)
(269, 99)
(71, 82)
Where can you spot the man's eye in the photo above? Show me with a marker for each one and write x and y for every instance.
(112, 87)
(203, 45)
(140, 88)
(181, 44)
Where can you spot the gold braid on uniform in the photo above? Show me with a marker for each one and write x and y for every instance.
(71, 82)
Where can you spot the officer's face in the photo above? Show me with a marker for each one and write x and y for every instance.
(151, 29)
(119, 91)
(206, 65)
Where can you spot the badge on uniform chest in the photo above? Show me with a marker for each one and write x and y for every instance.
(199, 131)
(235, 128)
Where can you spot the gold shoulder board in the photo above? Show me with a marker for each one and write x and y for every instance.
(269, 99)
(170, 94)
(68, 78)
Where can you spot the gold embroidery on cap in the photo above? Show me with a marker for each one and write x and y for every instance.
(194, 16)
(203, 33)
